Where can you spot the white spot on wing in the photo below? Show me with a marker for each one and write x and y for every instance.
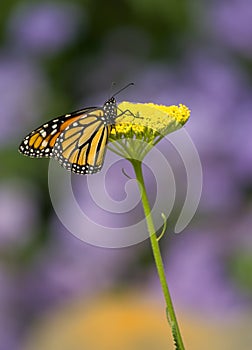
(54, 132)
(44, 143)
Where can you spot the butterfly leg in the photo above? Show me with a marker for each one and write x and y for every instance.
(128, 111)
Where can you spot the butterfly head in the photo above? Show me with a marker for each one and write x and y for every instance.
(110, 110)
(110, 107)
(111, 101)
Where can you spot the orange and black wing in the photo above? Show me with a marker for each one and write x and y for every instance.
(40, 142)
(81, 146)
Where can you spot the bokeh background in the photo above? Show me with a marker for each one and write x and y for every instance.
(57, 292)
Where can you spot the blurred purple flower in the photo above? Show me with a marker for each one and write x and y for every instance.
(9, 329)
(231, 22)
(212, 87)
(240, 130)
(22, 97)
(91, 202)
(9, 334)
(45, 27)
(19, 213)
(70, 268)
(220, 193)
(198, 276)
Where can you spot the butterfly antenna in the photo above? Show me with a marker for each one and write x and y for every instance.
(111, 88)
(125, 87)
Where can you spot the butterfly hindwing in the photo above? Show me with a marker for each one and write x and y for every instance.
(81, 147)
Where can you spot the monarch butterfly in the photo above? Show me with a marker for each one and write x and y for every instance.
(77, 140)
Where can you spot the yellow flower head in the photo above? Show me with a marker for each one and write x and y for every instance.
(147, 122)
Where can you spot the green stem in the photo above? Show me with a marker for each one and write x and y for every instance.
(157, 255)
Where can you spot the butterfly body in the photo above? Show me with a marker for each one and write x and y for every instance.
(77, 140)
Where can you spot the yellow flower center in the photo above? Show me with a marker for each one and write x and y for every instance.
(141, 116)
(147, 122)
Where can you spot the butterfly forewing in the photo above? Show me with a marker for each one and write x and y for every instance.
(40, 142)
(77, 140)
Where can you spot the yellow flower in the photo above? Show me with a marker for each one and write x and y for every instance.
(146, 122)
(129, 321)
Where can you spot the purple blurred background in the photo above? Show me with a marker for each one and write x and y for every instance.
(60, 56)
